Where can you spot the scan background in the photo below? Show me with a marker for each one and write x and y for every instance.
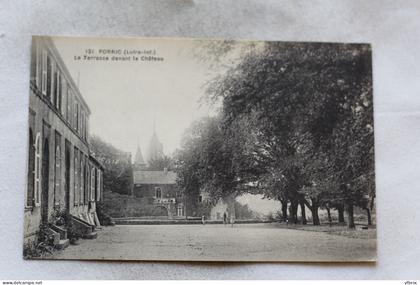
(393, 29)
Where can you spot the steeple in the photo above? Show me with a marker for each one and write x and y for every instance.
(139, 162)
(155, 150)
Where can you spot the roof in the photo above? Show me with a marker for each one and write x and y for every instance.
(96, 161)
(49, 43)
(154, 177)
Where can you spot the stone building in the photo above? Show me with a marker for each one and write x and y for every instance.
(159, 188)
(63, 176)
(215, 209)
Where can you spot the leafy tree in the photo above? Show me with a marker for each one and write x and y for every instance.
(161, 163)
(309, 124)
(205, 162)
(118, 173)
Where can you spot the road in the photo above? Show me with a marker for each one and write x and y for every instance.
(245, 242)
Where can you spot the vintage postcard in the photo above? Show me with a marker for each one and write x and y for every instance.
(200, 150)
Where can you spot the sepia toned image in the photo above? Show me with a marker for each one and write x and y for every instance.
(200, 150)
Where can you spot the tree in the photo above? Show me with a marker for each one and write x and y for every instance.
(306, 108)
(118, 173)
(205, 160)
(164, 162)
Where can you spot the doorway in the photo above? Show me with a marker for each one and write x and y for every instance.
(45, 181)
(67, 159)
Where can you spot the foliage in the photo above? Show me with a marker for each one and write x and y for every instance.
(205, 160)
(103, 217)
(161, 163)
(43, 247)
(118, 173)
(296, 124)
(60, 217)
(243, 212)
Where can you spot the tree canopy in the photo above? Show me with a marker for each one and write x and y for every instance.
(296, 124)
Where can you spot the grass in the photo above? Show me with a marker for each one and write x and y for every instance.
(336, 228)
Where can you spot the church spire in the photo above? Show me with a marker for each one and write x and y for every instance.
(155, 150)
(139, 162)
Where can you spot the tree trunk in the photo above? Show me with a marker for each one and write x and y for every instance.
(341, 214)
(372, 202)
(329, 216)
(350, 218)
(293, 211)
(369, 217)
(314, 210)
(284, 210)
(303, 212)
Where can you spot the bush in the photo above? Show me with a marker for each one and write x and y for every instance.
(44, 246)
(103, 217)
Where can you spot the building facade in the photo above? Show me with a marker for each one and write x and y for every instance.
(215, 209)
(62, 174)
(159, 188)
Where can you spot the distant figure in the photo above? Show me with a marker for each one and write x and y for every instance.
(232, 220)
(224, 218)
(203, 220)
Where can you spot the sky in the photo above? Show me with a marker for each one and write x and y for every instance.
(127, 98)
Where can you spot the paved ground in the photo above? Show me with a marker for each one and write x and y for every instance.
(246, 242)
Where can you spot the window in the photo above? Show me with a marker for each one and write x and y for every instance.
(200, 199)
(76, 176)
(158, 192)
(49, 77)
(87, 127)
(92, 184)
(69, 104)
(57, 172)
(86, 174)
(82, 124)
(34, 61)
(99, 185)
(44, 72)
(82, 180)
(31, 170)
(180, 210)
(76, 116)
(63, 95)
(55, 87)
(37, 176)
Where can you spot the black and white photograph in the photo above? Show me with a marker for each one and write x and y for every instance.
(189, 149)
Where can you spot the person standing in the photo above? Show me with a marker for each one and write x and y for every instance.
(203, 220)
(224, 218)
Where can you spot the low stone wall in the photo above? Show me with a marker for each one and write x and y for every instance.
(134, 221)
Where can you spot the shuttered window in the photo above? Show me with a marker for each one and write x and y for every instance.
(92, 184)
(37, 176)
(44, 72)
(57, 172)
(76, 176)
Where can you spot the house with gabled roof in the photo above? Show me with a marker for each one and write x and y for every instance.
(159, 188)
